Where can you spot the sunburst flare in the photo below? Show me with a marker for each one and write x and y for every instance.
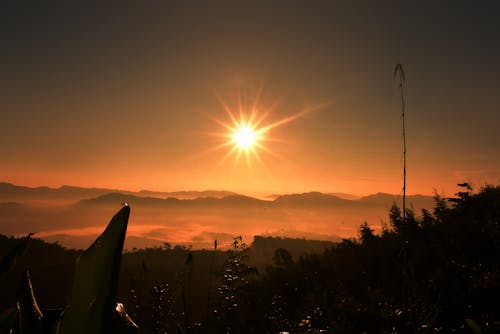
(246, 130)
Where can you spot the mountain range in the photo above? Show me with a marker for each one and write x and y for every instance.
(73, 215)
(9, 191)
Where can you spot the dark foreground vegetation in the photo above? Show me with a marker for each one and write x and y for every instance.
(437, 273)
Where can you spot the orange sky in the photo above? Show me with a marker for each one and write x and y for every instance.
(123, 97)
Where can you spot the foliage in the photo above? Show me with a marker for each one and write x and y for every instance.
(230, 292)
(450, 273)
(361, 286)
(10, 259)
(91, 308)
(96, 277)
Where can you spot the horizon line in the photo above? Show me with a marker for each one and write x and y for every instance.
(259, 194)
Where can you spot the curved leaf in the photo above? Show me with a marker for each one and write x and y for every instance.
(30, 316)
(96, 276)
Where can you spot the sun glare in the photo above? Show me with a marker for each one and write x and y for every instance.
(248, 128)
(245, 137)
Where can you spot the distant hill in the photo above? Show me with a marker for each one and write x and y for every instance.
(339, 195)
(186, 194)
(21, 194)
(418, 202)
(81, 213)
(44, 195)
(345, 196)
(312, 199)
(68, 194)
(117, 198)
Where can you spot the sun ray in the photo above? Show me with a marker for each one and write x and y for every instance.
(237, 160)
(221, 123)
(240, 106)
(248, 161)
(268, 112)
(228, 154)
(208, 151)
(269, 151)
(247, 132)
(259, 159)
(226, 108)
(255, 105)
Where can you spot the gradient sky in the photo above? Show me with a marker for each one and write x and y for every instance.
(124, 94)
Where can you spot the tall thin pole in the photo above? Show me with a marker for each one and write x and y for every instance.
(400, 74)
(408, 276)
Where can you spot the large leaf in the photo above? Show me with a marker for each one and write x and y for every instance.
(96, 276)
(30, 316)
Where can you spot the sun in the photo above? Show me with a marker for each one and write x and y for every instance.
(245, 137)
(247, 129)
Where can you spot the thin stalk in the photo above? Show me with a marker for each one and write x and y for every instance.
(408, 295)
(400, 74)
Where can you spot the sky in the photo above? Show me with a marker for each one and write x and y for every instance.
(133, 94)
